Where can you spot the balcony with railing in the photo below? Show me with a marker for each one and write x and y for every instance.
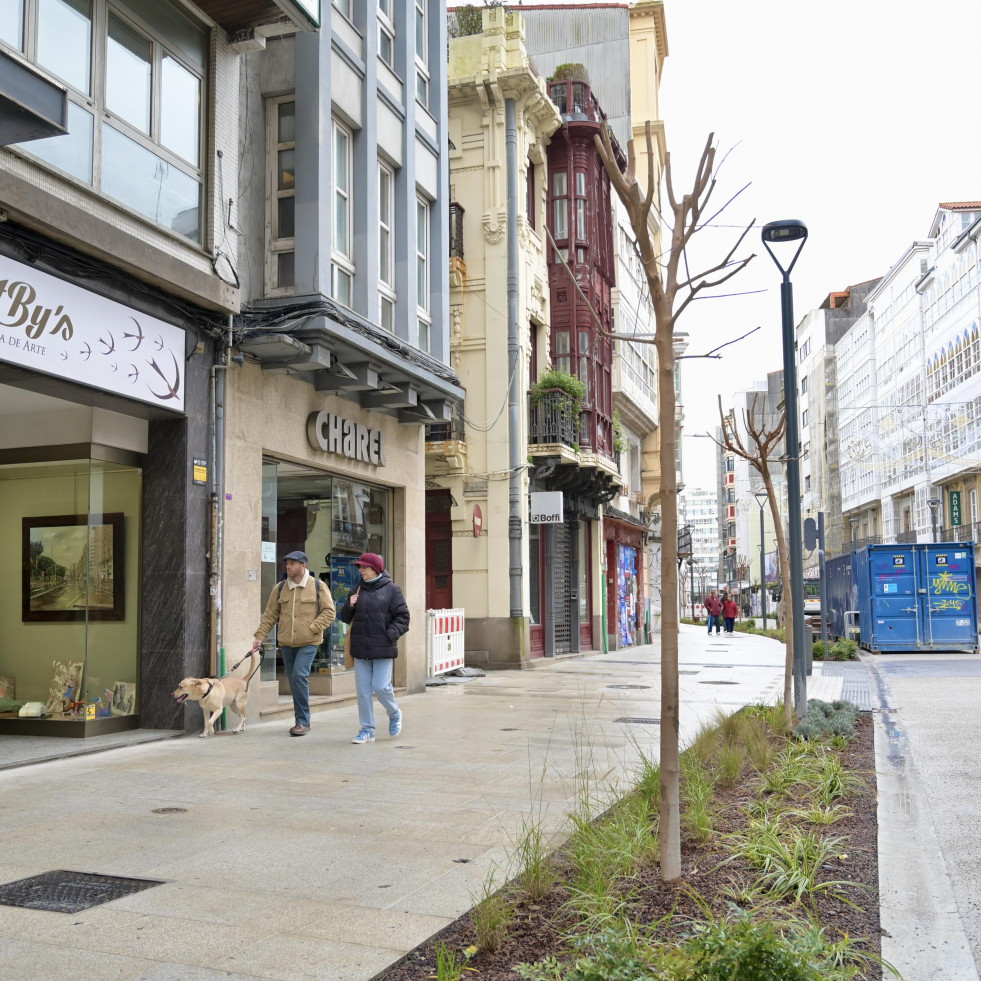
(960, 533)
(446, 447)
(575, 100)
(553, 421)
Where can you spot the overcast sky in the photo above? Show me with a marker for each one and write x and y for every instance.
(857, 118)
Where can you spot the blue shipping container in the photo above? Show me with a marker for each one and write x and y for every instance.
(916, 597)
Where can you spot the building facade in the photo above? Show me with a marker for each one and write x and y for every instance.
(909, 393)
(343, 337)
(119, 273)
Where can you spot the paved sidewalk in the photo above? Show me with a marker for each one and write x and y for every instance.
(314, 858)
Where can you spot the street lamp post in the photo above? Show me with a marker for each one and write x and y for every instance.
(934, 503)
(761, 498)
(778, 232)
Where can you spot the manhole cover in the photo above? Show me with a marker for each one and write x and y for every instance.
(70, 892)
(638, 721)
(631, 687)
(718, 682)
(170, 810)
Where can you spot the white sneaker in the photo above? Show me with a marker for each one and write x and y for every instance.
(363, 737)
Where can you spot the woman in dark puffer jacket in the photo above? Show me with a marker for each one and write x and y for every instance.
(378, 616)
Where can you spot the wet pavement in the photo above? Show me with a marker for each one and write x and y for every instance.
(314, 858)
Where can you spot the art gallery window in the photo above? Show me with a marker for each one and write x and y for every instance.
(334, 520)
(70, 595)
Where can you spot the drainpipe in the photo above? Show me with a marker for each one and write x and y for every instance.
(218, 375)
(514, 431)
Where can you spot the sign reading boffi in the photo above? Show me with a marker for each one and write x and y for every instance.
(546, 508)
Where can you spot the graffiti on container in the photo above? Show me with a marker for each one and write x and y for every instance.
(947, 604)
(946, 583)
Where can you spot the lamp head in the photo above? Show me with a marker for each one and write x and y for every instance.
(786, 230)
(761, 497)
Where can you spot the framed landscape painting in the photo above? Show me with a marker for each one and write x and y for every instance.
(73, 568)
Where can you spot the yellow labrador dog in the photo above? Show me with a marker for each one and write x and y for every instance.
(215, 694)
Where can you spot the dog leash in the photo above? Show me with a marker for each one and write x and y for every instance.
(235, 666)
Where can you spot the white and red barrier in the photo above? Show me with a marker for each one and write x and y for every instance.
(444, 641)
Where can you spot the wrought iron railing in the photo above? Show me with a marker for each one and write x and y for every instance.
(576, 99)
(553, 419)
(959, 533)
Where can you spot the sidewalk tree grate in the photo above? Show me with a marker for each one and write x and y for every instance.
(631, 687)
(70, 892)
(638, 721)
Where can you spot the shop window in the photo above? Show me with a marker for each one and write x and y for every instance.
(138, 68)
(70, 602)
(280, 195)
(334, 520)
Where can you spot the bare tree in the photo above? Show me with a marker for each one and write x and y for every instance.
(758, 449)
(672, 287)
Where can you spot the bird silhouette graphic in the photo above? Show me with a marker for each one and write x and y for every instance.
(138, 337)
(86, 352)
(173, 388)
(133, 374)
(109, 345)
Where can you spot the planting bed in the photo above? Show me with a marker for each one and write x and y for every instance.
(539, 929)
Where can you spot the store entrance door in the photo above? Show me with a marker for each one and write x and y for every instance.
(439, 551)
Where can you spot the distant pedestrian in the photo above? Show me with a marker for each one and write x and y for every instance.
(713, 607)
(730, 610)
(378, 616)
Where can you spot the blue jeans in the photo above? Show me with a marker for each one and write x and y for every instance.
(374, 677)
(718, 623)
(297, 661)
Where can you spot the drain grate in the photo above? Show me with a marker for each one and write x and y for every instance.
(170, 810)
(70, 892)
(718, 682)
(689, 672)
(630, 687)
(638, 721)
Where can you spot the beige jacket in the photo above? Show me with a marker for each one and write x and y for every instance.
(295, 612)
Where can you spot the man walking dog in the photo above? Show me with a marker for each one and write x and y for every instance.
(301, 608)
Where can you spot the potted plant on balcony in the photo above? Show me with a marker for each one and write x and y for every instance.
(574, 391)
(570, 70)
(619, 440)
(555, 379)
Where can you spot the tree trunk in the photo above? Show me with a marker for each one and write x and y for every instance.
(670, 807)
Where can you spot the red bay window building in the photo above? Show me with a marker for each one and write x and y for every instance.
(572, 440)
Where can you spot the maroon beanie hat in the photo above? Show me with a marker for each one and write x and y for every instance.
(373, 561)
